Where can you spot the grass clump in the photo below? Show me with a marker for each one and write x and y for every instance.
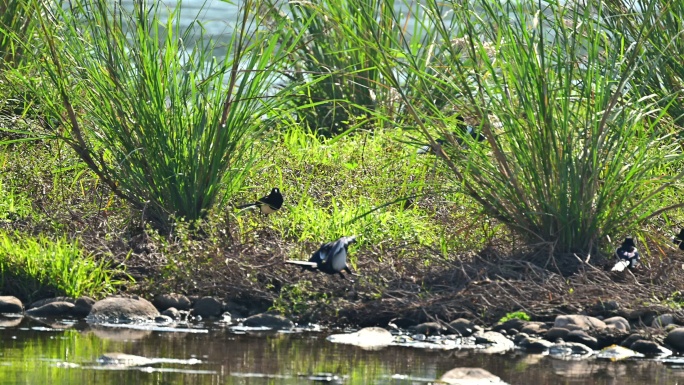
(166, 126)
(572, 154)
(33, 268)
(521, 315)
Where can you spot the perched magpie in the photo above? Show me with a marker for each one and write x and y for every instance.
(679, 239)
(330, 258)
(466, 128)
(268, 204)
(627, 255)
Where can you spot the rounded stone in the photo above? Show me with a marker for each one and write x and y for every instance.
(208, 307)
(10, 304)
(52, 309)
(271, 321)
(178, 301)
(122, 309)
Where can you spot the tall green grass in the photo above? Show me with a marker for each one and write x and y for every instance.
(660, 24)
(15, 23)
(338, 87)
(163, 123)
(33, 268)
(572, 154)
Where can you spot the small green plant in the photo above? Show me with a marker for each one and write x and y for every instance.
(521, 315)
(38, 267)
(297, 298)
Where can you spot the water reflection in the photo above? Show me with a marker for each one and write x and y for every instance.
(31, 353)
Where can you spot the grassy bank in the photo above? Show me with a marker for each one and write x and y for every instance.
(136, 147)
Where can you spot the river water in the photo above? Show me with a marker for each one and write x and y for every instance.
(67, 352)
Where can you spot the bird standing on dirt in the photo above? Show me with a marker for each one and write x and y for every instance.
(330, 258)
(679, 239)
(268, 204)
(627, 255)
(466, 128)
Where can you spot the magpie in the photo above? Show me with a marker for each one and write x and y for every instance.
(679, 239)
(466, 128)
(268, 204)
(330, 258)
(627, 255)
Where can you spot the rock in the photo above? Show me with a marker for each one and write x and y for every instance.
(513, 323)
(569, 350)
(627, 343)
(582, 337)
(178, 301)
(172, 312)
(555, 333)
(46, 301)
(429, 329)
(52, 309)
(9, 304)
(663, 320)
(208, 307)
(675, 339)
(535, 345)
(534, 328)
(582, 321)
(463, 327)
(605, 307)
(122, 309)
(82, 306)
(649, 348)
(163, 319)
(620, 323)
(497, 342)
(271, 321)
(236, 311)
(372, 338)
(470, 376)
(617, 353)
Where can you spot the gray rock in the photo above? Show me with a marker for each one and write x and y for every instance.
(675, 339)
(9, 304)
(178, 301)
(582, 321)
(163, 319)
(569, 350)
(464, 327)
(122, 309)
(82, 306)
(494, 342)
(513, 323)
(582, 337)
(208, 307)
(271, 321)
(52, 309)
(372, 338)
(555, 333)
(534, 328)
(46, 301)
(620, 323)
(627, 343)
(649, 347)
(172, 312)
(535, 345)
(470, 376)
(663, 320)
(10, 322)
(428, 328)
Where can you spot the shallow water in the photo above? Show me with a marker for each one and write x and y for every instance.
(212, 353)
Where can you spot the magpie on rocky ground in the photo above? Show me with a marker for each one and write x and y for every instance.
(627, 255)
(330, 258)
(679, 239)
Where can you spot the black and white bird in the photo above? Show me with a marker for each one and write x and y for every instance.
(627, 255)
(268, 204)
(679, 239)
(330, 258)
(466, 128)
